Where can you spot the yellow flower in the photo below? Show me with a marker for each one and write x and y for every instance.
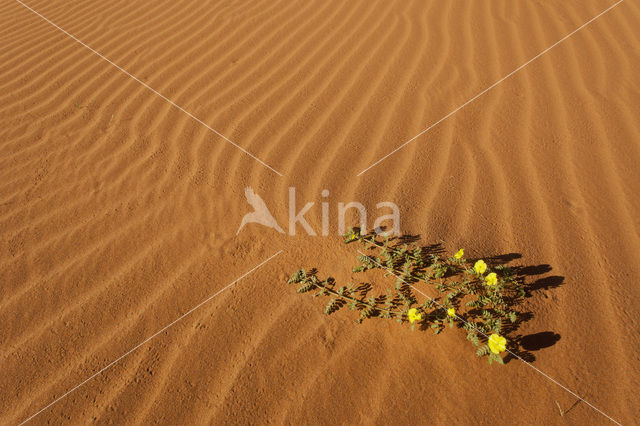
(451, 312)
(459, 254)
(480, 267)
(497, 343)
(491, 279)
(414, 315)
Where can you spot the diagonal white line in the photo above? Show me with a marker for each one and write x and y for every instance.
(112, 363)
(172, 103)
(491, 87)
(480, 331)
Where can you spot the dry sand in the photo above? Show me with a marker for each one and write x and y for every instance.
(118, 212)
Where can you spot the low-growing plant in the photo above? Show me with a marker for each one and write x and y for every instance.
(469, 295)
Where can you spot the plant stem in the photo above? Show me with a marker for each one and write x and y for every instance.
(337, 294)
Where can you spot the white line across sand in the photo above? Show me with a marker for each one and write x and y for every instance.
(172, 103)
(166, 327)
(490, 87)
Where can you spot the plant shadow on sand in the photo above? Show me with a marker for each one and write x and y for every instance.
(521, 283)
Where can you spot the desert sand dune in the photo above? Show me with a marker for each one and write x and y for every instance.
(118, 211)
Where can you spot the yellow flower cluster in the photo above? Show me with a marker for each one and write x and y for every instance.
(459, 254)
(480, 267)
(414, 315)
(497, 343)
(491, 279)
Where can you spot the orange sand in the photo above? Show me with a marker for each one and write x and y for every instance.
(118, 212)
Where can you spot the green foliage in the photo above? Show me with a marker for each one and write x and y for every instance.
(459, 297)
